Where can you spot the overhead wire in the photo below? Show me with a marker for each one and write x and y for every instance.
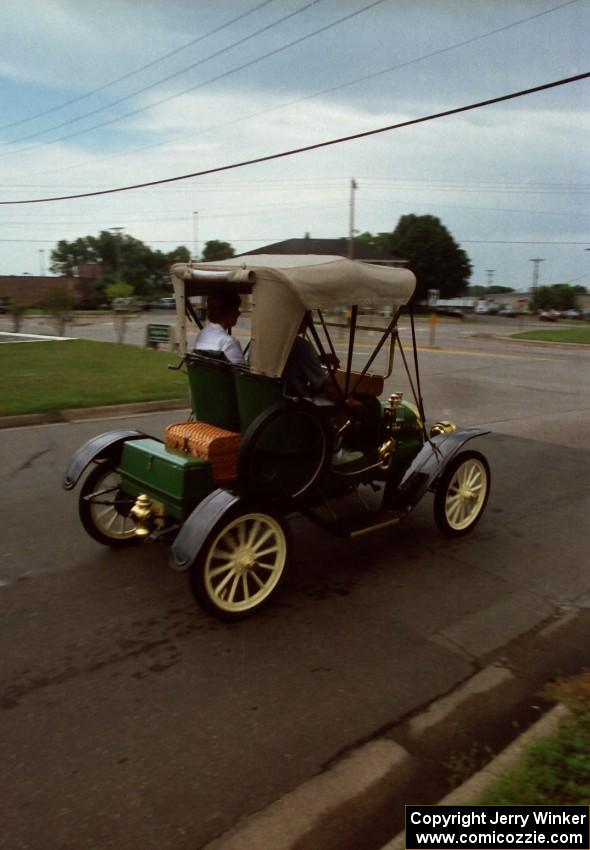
(329, 90)
(317, 146)
(159, 82)
(204, 83)
(139, 70)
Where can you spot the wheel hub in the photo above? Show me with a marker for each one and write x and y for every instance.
(467, 495)
(244, 561)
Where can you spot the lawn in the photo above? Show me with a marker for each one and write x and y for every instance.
(579, 335)
(46, 376)
(555, 770)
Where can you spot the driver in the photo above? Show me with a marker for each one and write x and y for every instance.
(223, 310)
(304, 376)
(303, 373)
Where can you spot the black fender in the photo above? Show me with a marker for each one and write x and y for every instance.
(198, 526)
(430, 463)
(98, 448)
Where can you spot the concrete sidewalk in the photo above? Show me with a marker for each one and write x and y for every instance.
(357, 803)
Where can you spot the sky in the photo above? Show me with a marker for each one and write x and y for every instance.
(98, 94)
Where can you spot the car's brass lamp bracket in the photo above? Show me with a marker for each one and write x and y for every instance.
(444, 427)
(147, 515)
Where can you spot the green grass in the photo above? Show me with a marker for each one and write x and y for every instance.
(555, 770)
(39, 377)
(579, 335)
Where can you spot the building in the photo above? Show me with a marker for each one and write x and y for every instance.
(33, 289)
(327, 247)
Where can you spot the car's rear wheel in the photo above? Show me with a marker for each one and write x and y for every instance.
(462, 493)
(104, 508)
(242, 564)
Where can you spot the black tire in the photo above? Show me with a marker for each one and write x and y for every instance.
(242, 564)
(111, 526)
(462, 493)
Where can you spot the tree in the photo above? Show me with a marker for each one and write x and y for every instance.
(118, 290)
(216, 250)
(432, 254)
(498, 290)
(17, 310)
(120, 295)
(379, 241)
(122, 257)
(561, 296)
(59, 303)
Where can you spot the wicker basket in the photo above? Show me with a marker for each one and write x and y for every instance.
(209, 443)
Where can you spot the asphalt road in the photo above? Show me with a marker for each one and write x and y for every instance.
(131, 719)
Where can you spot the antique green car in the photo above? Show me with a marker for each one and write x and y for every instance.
(222, 486)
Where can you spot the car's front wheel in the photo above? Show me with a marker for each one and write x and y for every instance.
(242, 564)
(462, 493)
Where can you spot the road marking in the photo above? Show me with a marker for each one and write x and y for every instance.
(463, 351)
(455, 351)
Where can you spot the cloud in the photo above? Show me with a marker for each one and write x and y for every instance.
(490, 174)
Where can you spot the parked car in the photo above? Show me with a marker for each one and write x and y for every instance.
(549, 315)
(572, 314)
(508, 311)
(167, 303)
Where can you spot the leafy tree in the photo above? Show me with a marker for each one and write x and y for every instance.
(59, 303)
(17, 310)
(432, 254)
(561, 296)
(497, 290)
(379, 241)
(477, 291)
(122, 257)
(216, 250)
(118, 290)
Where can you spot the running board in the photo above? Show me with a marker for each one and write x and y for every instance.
(358, 525)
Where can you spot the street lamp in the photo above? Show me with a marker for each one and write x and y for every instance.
(117, 231)
(536, 263)
(195, 235)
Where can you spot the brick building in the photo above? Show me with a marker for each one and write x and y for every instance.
(33, 289)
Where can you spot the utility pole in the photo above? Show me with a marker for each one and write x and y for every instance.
(353, 188)
(42, 262)
(536, 263)
(195, 235)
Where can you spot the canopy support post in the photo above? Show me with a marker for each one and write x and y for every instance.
(353, 315)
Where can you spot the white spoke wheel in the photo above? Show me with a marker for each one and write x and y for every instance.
(104, 508)
(241, 565)
(462, 493)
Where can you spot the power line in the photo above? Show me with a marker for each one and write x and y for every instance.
(206, 82)
(321, 92)
(156, 83)
(274, 239)
(129, 74)
(317, 146)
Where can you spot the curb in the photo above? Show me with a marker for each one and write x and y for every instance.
(357, 802)
(81, 414)
(474, 787)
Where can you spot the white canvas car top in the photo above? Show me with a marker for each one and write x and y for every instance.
(283, 287)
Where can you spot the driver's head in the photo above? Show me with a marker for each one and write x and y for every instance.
(224, 308)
